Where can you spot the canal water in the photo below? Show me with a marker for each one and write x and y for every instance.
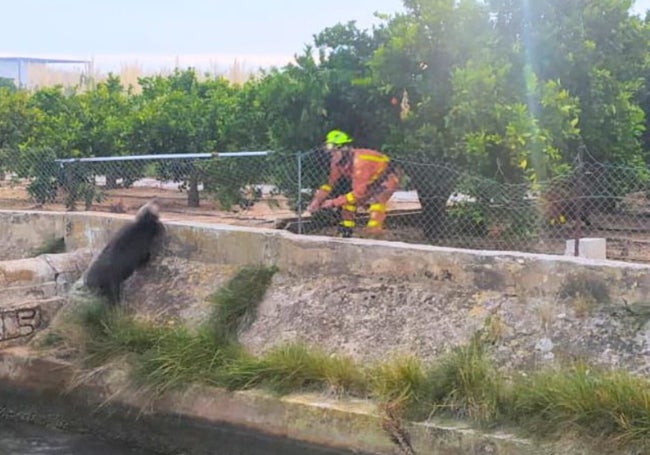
(19, 438)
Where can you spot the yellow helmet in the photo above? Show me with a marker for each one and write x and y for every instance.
(337, 138)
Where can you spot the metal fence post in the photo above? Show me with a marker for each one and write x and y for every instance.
(299, 157)
(579, 194)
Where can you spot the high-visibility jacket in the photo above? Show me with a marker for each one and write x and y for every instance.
(362, 166)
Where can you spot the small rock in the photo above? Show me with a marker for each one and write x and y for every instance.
(544, 345)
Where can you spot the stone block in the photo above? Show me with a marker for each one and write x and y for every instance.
(589, 248)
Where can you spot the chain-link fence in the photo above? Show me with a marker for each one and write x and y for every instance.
(442, 205)
(110, 183)
(434, 204)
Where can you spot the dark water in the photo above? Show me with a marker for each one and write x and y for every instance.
(17, 438)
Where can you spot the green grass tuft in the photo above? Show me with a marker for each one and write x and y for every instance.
(179, 358)
(164, 357)
(236, 302)
(297, 367)
(465, 384)
(596, 403)
(461, 384)
(51, 246)
(111, 332)
(398, 379)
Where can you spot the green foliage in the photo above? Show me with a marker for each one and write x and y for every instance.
(7, 84)
(232, 180)
(610, 405)
(168, 357)
(78, 181)
(291, 367)
(237, 300)
(469, 218)
(51, 246)
(462, 384)
(465, 384)
(506, 90)
(107, 117)
(17, 120)
(47, 176)
(179, 357)
(400, 380)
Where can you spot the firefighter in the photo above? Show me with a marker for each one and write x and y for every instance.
(374, 179)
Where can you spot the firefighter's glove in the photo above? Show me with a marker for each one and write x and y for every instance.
(329, 204)
(314, 206)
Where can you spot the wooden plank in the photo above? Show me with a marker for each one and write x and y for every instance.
(308, 224)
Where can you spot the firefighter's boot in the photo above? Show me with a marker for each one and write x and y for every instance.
(347, 224)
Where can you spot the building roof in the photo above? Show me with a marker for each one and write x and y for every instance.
(40, 60)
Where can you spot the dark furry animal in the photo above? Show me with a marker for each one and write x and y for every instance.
(129, 249)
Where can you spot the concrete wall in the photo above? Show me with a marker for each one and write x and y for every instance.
(22, 232)
(368, 298)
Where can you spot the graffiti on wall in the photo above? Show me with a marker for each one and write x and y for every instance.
(18, 323)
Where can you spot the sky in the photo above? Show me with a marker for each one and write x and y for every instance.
(640, 6)
(202, 33)
(258, 32)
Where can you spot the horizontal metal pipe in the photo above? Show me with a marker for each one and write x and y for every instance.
(165, 156)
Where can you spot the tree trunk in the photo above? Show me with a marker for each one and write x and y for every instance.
(111, 181)
(193, 189)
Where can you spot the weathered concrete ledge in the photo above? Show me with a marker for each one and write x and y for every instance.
(42, 390)
(32, 290)
(18, 242)
(521, 274)
(44, 276)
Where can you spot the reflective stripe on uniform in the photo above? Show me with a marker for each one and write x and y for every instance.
(383, 159)
(377, 207)
(373, 223)
(377, 174)
(348, 223)
(350, 207)
(376, 159)
(326, 187)
(350, 198)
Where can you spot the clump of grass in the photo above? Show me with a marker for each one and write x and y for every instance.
(236, 302)
(50, 246)
(614, 405)
(398, 379)
(180, 357)
(296, 366)
(585, 286)
(466, 384)
(293, 367)
(51, 339)
(462, 384)
(111, 332)
(164, 357)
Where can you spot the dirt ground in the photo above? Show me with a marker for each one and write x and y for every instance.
(265, 213)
